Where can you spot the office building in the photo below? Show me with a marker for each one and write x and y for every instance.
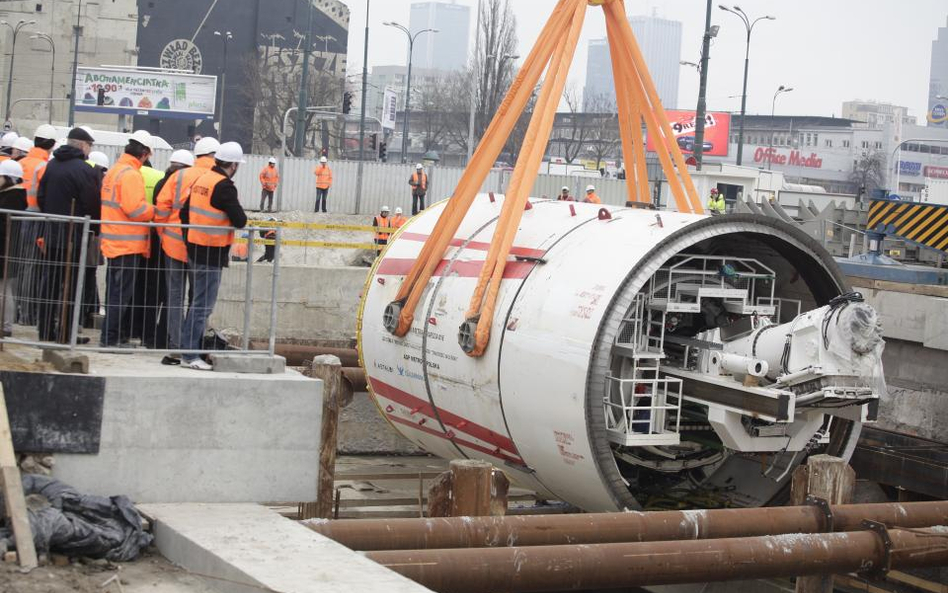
(938, 81)
(876, 115)
(660, 41)
(448, 48)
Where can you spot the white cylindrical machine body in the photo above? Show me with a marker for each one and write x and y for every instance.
(532, 404)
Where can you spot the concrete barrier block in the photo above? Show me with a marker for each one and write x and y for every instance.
(256, 364)
(67, 362)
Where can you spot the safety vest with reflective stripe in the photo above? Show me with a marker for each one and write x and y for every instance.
(123, 200)
(592, 199)
(269, 178)
(204, 162)
(398, 220)
(323, 177)
(717, 204)
(383, 223)
(202, 213)
(419, 182)
(34, 164)
(171, 199)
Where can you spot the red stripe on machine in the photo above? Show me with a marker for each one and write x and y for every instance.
(452, 421)
(514, 270)
(466, 444)
(476, 245)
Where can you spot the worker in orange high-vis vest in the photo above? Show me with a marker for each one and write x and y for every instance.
(382, 222)
(419, 189)
(213, 211)
(591, 197)
(323, 183)
(34, 163)
(125, 247)
(269, 179)
(399, 220)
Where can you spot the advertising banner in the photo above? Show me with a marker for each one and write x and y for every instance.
(389, 109)
(717, 132)
(138, 92)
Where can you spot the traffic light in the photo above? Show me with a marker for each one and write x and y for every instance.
(346, 102)
(383, 151)
(374, 141)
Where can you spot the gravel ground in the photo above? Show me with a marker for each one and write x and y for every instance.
(150, 573)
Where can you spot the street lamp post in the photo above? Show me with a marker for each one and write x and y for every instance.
(226, 37)
(15, 29)
(411, 47)
(702, 108)
(773, 110)
(52, 69)
(749, 26)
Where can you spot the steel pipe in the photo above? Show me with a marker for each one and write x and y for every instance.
(605, 566)
(355, 376)
(299, 355)
(597, 528)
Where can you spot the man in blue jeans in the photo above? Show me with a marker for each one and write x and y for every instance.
(213, 211)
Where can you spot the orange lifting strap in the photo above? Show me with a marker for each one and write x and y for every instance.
(637, 102)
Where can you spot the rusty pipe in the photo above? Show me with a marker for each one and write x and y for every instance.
(297, 355)
(356, 379)
(611, 566)
(547, 530)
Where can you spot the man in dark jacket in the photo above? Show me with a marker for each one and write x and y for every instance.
(69, 187)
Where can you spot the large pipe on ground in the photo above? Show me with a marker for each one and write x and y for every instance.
(356, 378)
(599, 528)
(612, 566)
(299, 355)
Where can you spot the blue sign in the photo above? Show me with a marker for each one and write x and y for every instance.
(910, 168)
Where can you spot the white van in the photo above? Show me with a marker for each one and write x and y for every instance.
(104, 138)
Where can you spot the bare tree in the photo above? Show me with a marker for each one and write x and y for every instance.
(273, 83)
(869, 173)
(569, 138)
(603, 141)
(493, 66)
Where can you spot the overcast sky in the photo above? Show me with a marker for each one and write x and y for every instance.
(829, 51)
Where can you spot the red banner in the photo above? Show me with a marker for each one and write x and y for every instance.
(717, 132)
(934, 172)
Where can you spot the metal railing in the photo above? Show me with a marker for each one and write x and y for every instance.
(56, 280)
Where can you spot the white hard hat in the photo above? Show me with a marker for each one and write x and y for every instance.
(11, 168)
(6, 141)
(99, 158)
(398, 211)
(143, 138)
(206, 146)
(323, 159)
(46, 132)
(272, 161)
(590, 188)
(182, 157)
(418, 167)
(386, 209)
(23, 144)
(230, 152)
(565, 188)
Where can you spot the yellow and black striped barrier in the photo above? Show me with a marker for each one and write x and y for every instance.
(926, 224)
(258, 225)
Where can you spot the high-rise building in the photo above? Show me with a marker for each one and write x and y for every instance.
(876, 115)
(447, 49)
(938, 81)
(660, 41)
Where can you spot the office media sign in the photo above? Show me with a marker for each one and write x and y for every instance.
(144, 92)
(794, 158)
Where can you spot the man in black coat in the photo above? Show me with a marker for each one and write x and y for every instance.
(70, 187)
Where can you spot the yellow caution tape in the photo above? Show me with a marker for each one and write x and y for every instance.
(317, 244)
(322, 227)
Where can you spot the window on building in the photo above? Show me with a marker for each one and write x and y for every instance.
(865, 144)
(809, 139)
(845, 143)
(878, 145)
(828, 143)
(816, 139)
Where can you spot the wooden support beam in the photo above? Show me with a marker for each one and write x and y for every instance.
(831, 479)
(470, 489)
(327, 368)
(13, 492)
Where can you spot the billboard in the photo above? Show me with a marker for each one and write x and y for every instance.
(149, 93)
(389, 109)
(717, 132)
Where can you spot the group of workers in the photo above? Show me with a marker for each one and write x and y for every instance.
(177, 267)
(270, 179)
(591, 197)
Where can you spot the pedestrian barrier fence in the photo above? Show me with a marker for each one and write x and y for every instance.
(60, 292)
